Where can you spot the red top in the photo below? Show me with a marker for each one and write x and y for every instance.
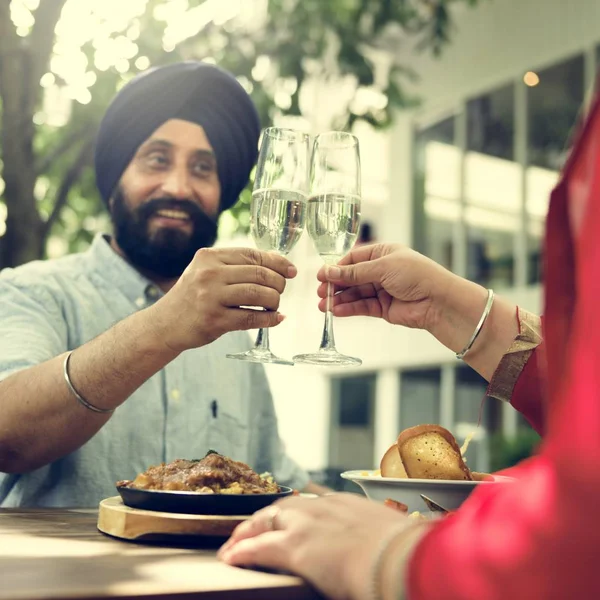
(539, 537)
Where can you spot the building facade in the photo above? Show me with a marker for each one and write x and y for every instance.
(464, 179)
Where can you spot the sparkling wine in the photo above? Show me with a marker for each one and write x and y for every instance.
(278, 218)
(333, 223)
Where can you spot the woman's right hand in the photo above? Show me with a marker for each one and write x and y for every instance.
(389, 281)
(395, 283)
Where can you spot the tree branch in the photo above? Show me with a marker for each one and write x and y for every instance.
(63, 146)
(71, 176)
(9, 47)
(41, 39)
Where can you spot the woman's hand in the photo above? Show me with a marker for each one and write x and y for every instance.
(330, 541)
(388, 281)
(395, 283)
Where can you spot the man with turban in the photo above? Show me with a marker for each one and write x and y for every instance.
(113, 359)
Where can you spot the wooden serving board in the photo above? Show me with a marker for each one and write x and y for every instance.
(118, 520)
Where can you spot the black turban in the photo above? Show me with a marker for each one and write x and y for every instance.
(192, 91)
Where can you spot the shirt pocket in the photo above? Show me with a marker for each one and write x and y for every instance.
(228, 431)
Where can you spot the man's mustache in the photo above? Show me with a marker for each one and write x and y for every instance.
(151, 207)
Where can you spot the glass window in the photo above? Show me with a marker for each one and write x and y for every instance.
(437, 191)
(492, 188)
(352, 438)
(356, 395)
(553, 106)
(419, 397)
(494, 184)
(491, 123)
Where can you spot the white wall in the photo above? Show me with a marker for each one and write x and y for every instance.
(495, 43)
(500, 40)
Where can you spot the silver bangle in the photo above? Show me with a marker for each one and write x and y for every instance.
(486, 311)
(75, 393)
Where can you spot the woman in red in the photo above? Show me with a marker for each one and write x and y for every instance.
(535, 538)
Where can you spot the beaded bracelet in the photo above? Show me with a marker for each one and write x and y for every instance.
(77, 395)
(486, 311)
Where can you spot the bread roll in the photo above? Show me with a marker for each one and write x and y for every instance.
(391, 464)
(431, 452)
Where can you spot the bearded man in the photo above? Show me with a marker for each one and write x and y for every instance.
(113, 359)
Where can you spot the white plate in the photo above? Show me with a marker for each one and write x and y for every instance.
(450, 494)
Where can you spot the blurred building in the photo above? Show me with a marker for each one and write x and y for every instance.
(464, 179)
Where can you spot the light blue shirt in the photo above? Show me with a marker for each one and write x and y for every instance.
(199, 401)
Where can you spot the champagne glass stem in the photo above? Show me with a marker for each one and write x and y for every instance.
(327, 339)
(261, 352)
(262, 339)
(329, 297)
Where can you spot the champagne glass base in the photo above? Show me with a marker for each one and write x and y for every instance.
(261, 356)
(327, 358)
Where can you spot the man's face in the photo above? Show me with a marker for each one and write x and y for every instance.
(167, 204)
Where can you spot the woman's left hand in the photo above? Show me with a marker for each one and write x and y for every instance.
(330, 541)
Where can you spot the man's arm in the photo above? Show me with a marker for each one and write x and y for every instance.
(41, 420)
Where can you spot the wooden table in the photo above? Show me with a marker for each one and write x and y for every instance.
(59, 553)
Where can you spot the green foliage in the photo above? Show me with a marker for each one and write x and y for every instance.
(507, 452)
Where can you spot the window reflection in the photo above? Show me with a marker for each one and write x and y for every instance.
(491, 123)
(419, 397)
(496, 196)
(492, 188)
(352, 427)
(469, 403)
(553, 106)
(437, 191)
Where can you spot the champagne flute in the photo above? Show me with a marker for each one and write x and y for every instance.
(333, 221)
(278, 210)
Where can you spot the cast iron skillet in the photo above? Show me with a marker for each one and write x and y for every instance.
(199, 504)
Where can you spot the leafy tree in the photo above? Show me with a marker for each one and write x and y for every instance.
(283, 51)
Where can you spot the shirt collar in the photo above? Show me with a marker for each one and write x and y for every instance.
(114, 269)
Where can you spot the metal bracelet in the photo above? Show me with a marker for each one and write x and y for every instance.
(486, 311)
(75, 393)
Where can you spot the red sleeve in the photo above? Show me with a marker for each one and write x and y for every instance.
(538, 537)
(518, 376)
(528, 396)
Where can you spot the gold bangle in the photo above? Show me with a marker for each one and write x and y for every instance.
(77, 395)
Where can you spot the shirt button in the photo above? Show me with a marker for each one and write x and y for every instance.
(175, 396)
(140, 302)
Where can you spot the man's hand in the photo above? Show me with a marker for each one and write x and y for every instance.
(214, 293)
(331, 541)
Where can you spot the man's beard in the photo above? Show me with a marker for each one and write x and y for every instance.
(164, 252)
